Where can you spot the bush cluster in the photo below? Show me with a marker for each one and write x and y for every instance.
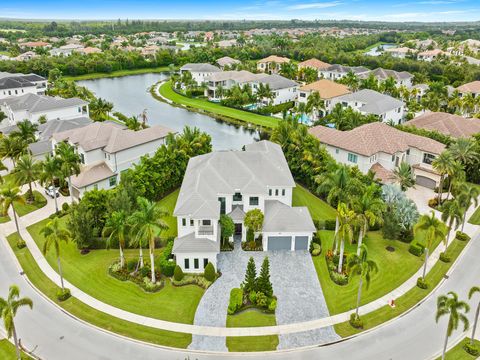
(141, 278)
(422, 283)
(167, 267)
(330, 224)
(64, 294)
(355, 321)
(178, 273)
(416, 249)
(471, 349)
(316, 249)
(433, 203)
(21, 243)
(209, 272)
(236, 300)
(193, 279)
(462, 236)
(444, 257)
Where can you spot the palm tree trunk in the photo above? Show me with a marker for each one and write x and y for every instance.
(122, 257)
(30, 192)
(15, 217)
(449, 189)
(359, 295)
(360, 239)
(334, 246)
(464, 218)
(70, 188)
(152, 266)
(448, 237)
(60, 272)
(55, 196)
(141, 257)
(15, 340)
(477, 313)
(445, 346)
(425, 263)
(440, 190)
(340, 260)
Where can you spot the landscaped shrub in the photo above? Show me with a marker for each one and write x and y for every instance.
(21, 243)
(462, 236)
(178, 273)
(433, 203)
(355, 321)
(471, 349)
(209, 272)
(193, 279)
(339, 279)
(406, 236)
(250, 235)
(444, 257)
(167, 267)
(262, 299)
(416, 249)
(273, 305)
(144, 271)
(63, 295)
(236, 300)
(149, 286)
(421, 283)
(316, 249)
(252, 297)
(65, 207)
(319, 224)
(330, 224)
(132, 264)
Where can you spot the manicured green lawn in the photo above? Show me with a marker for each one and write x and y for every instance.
(203, 104)
(7, 351)
(118, 73)
(25, 208)
(90, 273)
(4, 219)
(458, 353)
(91, 315)
(409, 299)
(168, 204)
(319, 209)
(250, 318)
(475, 218)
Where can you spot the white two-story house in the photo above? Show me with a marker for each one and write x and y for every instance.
(382, 148)
(107, 149)
(19, 84)
(199, 71)
(284, 90)
(337, 71)
(232, 183)
(402, 78)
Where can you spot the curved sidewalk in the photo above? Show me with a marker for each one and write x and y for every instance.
(38, 215)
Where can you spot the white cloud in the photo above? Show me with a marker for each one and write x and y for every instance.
(317, 5)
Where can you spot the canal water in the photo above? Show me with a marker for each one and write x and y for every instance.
(130, 96)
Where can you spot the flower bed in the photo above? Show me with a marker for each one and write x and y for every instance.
(241, 301)
(193, 279)
(332, 264)
(140, 277)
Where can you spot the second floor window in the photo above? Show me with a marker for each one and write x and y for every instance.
(253, 200)
(237, 197)
(113, 181)
(352, 158)
(428, 158)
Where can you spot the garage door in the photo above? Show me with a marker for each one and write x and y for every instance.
(301, 242)
(279, 243)
(426, 182)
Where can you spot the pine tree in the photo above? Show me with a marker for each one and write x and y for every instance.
(250, 283)
(263, 283)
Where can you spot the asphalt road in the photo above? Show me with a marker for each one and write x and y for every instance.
(56, 336)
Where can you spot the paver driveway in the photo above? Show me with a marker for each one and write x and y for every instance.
(295, 284)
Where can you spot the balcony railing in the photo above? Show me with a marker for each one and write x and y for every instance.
(205, 230)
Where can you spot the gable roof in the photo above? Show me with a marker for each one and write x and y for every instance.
(373, 101)
(199, 67)
(280, 217)
(314, 63)
(276, 82)
(251, 171)
(275, 59)
(92, 174)
(227, 60)
(472, 87)
(238, 76)
(375, 137)
(15, 82)
(40, 103)
(384, 74)
(326, 88)
(55, 126)
(448, 124)
(346, 69)
(190, 244)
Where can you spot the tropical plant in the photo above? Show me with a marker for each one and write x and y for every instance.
(8, 310)
(9, 195)
(227, 227)
(452, 214)
(116, 228)
(346, 219)
(54, 234)
(404, 175)
(314, 104)
(50, 171)
(250, 282)
(473, 290)
(69, 161)
(443, 164)
(25, 131)
(467, 195)
(254, 220)
(12, 147)
(27, 170)
(463, 150)
(455, 309)
(263, 282)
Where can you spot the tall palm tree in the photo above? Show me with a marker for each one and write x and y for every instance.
(404, 175)
(9, 195)
(147, 224)
(467, 195)
(116, 227)
(434, 229)
(314, 104)
(452, 213)
(8, 310)
(26, 131)
(69, 161)
(54, 234)
(12, 147)
(50, 171)
(345, 229)
(27, 170)
(444, 164)
(362, 266)
(450, 305)
(463, 150)
(472, 292)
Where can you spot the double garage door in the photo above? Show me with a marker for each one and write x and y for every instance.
(425, 181)
(285, 243)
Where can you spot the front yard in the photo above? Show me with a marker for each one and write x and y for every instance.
(26, 208)
(475, 218)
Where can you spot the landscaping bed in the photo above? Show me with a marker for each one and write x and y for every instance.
(458, 351)
(26, 208)
(7, 351)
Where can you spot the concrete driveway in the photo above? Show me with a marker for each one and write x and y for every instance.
(295, 284)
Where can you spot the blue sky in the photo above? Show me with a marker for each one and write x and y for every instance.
(384, 10)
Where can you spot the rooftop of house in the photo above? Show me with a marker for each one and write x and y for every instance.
(275, 81)
(110, 136)
(326, 88)
(403, 50)
(373, 101)
(200, 67)
(40, 103)
(346, 69)
(384, 74)
(472, 87)
(15, 82)
(238, 76)
(252, 171)
(383, 175)
(372, 138)
(28, 77)
(190, 244)
(448, 124)
(280, 217)
(51, 127)
(40, 147)
(275, 59)
(227, 60)
(91, 174)
(314, 63)
(433, 52)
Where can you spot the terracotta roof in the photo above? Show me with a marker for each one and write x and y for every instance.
(399, 50)
(473, 87)
(370, 139)
(314, 63)
(275, 59)
(383, 175)
(448, 124)
(326, 88)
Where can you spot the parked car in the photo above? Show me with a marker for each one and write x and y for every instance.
(52, 191)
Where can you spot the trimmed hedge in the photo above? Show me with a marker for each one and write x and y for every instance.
(330, 224)
(421, 283)
(64, 294)
(462, 236)
(178, 273)
(209, 272)
(416, 249)
(236, 300)
(167, 267)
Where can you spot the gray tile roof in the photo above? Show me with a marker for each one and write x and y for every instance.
(40, 147)
(190, 244)
(374, 102)
(200, 67)
(15, 83)
(283, 218)
(238, 76)
(347, 69)
(384, 74)
(40, 103)
(51, 127)
(262, 164)
(237, 214)
(276, 82)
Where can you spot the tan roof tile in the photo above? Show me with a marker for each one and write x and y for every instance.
(473, 87)
(448, 124)
(326, 88)
(314, 63)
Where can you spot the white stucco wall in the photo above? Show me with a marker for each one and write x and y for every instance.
(180, 259)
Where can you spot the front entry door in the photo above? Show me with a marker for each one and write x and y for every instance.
(238, 229)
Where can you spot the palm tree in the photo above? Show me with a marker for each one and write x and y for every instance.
(463, 150)
(8, 310)
(27, 170)
(69, 161)
(26, 131)
(404, 175)
(444, 164)
(147, 223)
(435, 231)
(345, 229)
(12, 147)
(451, 214)
(467, 195)
(314, 104)
(450, 305)
(50, 171)
(10, 195)
(472, 291)
(116, 227)
(360, 264)
(54, 234)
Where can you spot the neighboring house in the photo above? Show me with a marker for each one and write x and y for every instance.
(327, 90)
(447, 124)
(401, 78)
(313, 64)
(19, 84)
(336, 71)
(271, 64)
(150, 50)
(199, 71)
(29, 55)
(431, 55)
(470, 88)
(89, 50)
(399, 53)
(34, 45)
(227, 62)
(283, 89)
(232, 183)
(421, 90)
(32, 107)
(106, 149)
(368, 101)
(227, 43)
(226, 80)
(382, 148)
